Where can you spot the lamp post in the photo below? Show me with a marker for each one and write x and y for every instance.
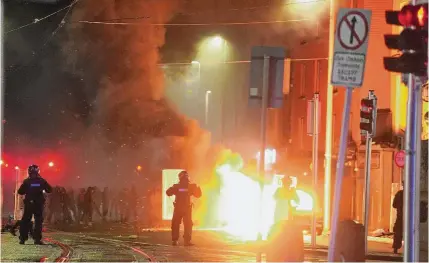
(16, 197)
(206, 116)
(198, 64)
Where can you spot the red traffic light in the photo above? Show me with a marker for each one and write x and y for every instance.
(409, 15)
(367, 104)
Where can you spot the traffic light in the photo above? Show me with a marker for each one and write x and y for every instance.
(413, 40)
(368, 115)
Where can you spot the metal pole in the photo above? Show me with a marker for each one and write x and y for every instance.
(15, 213)
(368, 176)
(410, 229)
(340, 172)
(329, 110)
(199, 78)
(206, 116)
(418, 139)
(263, 140)
(315, 163)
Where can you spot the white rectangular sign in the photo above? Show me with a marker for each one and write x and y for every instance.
(350, 47)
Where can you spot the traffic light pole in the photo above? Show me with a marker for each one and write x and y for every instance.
(412, 175)
(371, 95)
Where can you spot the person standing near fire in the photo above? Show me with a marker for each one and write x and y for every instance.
(183, 191)
(286, 198)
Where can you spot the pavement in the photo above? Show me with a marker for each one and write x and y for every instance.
(11, 251)
(379, 248)
(120, 243)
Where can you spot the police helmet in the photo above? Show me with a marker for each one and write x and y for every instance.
(183, 175)
(33, 170)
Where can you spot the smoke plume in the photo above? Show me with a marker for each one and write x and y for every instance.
(120, 62)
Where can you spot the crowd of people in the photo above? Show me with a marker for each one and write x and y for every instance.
(86, 205)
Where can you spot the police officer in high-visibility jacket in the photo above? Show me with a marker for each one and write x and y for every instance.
(183, 191)
(33, 188)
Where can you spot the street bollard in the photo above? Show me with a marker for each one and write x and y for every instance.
(285, 243)
(350, 242)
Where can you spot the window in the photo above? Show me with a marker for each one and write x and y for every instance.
(303, 76)
(317, 71)
(302, 133)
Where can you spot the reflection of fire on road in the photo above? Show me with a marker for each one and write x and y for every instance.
(242, 208)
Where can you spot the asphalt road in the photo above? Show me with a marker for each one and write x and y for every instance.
(127, 244)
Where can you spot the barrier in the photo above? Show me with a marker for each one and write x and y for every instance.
(285, 243)
(350, 244)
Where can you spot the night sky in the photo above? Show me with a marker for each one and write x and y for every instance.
(42, 102)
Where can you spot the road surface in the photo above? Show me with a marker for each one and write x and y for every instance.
(121, 244)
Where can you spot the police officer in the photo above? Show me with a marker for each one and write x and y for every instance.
(183, 191)
(34, 201)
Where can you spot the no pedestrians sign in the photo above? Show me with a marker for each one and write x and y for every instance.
(350, 47)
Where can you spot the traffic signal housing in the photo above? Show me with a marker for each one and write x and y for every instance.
(368, 115)
(412, 41)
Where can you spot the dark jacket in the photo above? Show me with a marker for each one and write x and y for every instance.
(33, 188)
(398, 204)
(184, 192)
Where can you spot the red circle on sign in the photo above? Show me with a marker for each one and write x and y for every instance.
(400, 159)
(344, 20)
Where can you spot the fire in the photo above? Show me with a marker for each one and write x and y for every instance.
(240, 206)
(247, 210)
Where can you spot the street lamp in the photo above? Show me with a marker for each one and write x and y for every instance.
(51, 164)
(217, 41)
(207, 107)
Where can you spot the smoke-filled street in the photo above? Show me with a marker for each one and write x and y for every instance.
(214, 131)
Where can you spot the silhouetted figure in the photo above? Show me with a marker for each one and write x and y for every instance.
(183, 191)
(285, 197)
(132, 204)
(88, 206)
(80, 204)
(105, 203)
(398, 204)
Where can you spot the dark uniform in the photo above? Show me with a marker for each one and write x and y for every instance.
(34, 203)
(398, 204)
(183, 191)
